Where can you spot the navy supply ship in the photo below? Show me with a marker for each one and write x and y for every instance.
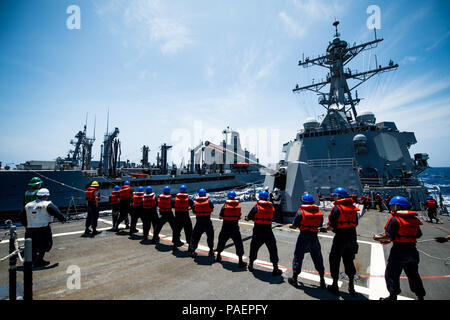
(213, 167)
(347, 149)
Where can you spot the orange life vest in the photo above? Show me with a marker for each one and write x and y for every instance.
(90, 194)
(232, 210)
(149, 201)
(137, 199)
(431, 203)
(164, 202)
(264, 214)
(181, 202)
(408, 226)
(125, 192)
(348, 213)
(311, 218)
(201, 207)
(115, 197)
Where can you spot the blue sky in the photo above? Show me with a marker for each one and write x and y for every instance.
(181, 71)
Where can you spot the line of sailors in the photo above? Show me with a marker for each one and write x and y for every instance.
(402, 228)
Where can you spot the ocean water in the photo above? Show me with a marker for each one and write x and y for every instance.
(439, 176)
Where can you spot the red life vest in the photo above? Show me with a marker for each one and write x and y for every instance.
(232, 210)
(201, 207)
(115, 197)
(311, 218)
(264, 214)
(431, 203)
(348, 213)
(181, 202)
(149, 201)
(125, 192)
(408, 226)
(90, 194)
(137, 199)
(164, 202)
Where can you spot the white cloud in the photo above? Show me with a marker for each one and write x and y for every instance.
(147, 23)
(292, 27)
(409, 59)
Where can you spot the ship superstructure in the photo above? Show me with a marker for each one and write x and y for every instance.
(347, 149)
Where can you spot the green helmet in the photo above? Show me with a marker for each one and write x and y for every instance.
(35, 181)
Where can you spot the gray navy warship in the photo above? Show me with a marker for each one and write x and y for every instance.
(347, 149)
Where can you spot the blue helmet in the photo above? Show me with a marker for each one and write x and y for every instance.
(126, 183)
(140, 189)
(149, 189)
(263, 195)
(231, 194)
(307, 198)
(166, 189)
(202, 192)
(183, 188)
(340, 192)
(429, 197)
(116, 188)
(399, 200)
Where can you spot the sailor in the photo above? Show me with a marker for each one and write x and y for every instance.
(308, 219)
(115, 205)
(165, 213)
(182, 203)
(275, 198)
(231, 213)
(125, 195)
(149, 214)
(262, 214)
(39, 214)
(203, 207)
(92, 200)
(137, 206)
(355, 197)
(403, 228)
(431, 206)
(378, 202)
(343, 220)
(30, 195)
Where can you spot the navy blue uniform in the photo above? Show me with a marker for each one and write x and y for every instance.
(307, 241)
(403, 256)
(182, 221)
(203, 224)
(230, 229)
(344, 246)
(262, 234)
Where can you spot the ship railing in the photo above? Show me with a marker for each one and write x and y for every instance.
(372, 182)
(89, 173)
(337, 162)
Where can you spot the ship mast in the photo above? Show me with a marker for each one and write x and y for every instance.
(336, 58)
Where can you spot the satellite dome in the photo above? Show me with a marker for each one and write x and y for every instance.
(310, 123)
(366, 116)
(360, 140)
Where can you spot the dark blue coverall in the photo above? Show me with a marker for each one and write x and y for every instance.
(403, 256)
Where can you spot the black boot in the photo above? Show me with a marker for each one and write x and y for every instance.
(276, 271)
(241, 263)
(351, 287)
(322, 282)
(219, 257)
(87, 232)
(211, 253)
(95, 232)
(250, 266)
(333, 288)
(294, 280)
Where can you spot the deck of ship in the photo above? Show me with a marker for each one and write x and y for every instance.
(113, 266)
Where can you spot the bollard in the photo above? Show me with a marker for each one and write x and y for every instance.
(28, 270)
(12, 262)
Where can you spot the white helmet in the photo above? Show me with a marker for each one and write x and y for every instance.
(276, 189)
(43, 192)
